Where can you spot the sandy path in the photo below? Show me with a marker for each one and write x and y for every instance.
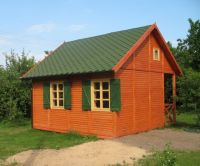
(97, 153)
(113, 151)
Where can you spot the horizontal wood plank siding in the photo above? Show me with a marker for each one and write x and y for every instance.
(142, 90)
(124, 117)
(60, 120)
(142, 99)
(167, 66)
(157, 100)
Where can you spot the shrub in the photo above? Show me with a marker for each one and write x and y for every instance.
(166, 157)
(15, 94)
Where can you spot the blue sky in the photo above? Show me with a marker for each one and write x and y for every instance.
(38, 25)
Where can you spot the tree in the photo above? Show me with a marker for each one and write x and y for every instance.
(188, 55)
(188, 50)
(15, 94)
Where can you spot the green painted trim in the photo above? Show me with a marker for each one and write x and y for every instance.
(67, 95)
(115, 95)
(86, 95)
(46, 95)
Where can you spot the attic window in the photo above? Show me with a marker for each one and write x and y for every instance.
(156, 54)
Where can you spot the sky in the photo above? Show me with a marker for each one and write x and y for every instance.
(39, 25)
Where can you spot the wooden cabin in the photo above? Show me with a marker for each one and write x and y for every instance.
(109, 85)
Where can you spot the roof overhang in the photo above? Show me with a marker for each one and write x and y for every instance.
(153, 28)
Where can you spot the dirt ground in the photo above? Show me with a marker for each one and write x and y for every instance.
(112, 151)
(157, 139)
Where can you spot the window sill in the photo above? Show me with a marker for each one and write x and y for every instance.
(57, 108)
(101, 110)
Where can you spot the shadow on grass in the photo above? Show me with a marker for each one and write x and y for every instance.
(187, 121)
(187, 127)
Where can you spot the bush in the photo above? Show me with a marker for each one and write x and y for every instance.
(188, 91)
(15, 94)
(166, 157)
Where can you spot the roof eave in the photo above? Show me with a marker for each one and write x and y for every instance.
(66, 75)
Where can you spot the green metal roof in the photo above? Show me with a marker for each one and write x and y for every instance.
(89, 55)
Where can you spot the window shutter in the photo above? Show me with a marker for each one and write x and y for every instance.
(115, 96)
(67, 95)
(46, 95)
(86, 95)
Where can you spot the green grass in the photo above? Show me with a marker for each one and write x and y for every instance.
(190, 158)
(161, 158)
(187, 121)
(15, 138)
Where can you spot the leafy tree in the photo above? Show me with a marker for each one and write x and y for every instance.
(173, 49)
(189, 90)
(188, 55)
(15, 94)
(188, 50)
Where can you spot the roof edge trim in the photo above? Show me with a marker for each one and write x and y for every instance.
(34, 66)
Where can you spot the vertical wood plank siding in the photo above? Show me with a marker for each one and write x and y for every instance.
(142, 100)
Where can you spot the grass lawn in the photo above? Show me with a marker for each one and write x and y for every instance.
(182, 159)
(17, 138)
(187, 121)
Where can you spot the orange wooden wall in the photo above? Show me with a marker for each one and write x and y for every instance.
(142, 97)
(86, 122)
(142, 80)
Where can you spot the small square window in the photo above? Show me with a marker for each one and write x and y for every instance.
(106, 104)
(61, 103)
(97, 103)
(61, 95)
(96, 85)
(60, 86)
(54, 95)
(54, 86)
(55, 103)
(105, 85)
(156, 54)
(97, 95)
(106, 95)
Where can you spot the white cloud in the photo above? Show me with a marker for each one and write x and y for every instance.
(76, 27)
(39, 28)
